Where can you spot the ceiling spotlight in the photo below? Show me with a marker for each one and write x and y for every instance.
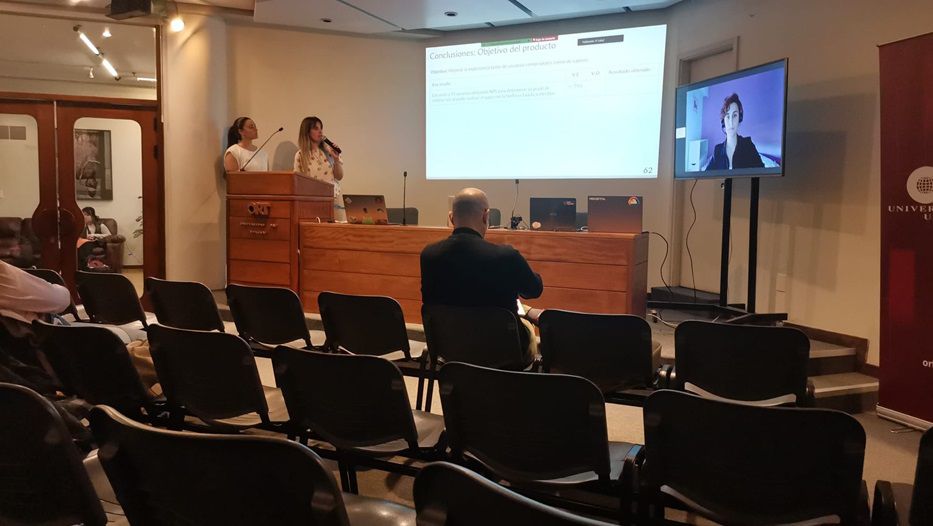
(90, 72)
(106, 33)
(327, 20)
(177, 24)
(110, 69)
(450, 13)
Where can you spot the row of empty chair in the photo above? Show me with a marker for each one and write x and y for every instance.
(570, 401)
(167, 478)
(765, 365)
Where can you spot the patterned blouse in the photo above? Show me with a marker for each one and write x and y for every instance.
(321, 166)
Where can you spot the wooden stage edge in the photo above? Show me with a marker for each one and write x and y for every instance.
(582, 271)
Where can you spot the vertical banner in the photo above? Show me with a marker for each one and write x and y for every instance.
(906, 392)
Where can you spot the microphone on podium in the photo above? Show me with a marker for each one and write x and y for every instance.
(260, 148)
(332, 145)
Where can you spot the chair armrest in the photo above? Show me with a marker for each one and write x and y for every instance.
(884, 508)
(628, 480)
(810, 400)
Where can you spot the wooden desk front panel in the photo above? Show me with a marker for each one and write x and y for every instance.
(263, 250)
(583, 271)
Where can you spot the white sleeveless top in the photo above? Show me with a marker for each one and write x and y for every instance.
(260, 163)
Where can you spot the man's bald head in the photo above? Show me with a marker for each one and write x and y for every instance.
(470, 209)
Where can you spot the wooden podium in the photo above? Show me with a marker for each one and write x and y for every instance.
(263, 212)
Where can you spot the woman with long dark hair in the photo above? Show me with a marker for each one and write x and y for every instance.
(317, 160)
(241, 153)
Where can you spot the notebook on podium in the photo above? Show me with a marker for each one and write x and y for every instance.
(614, 213)
(366, 209)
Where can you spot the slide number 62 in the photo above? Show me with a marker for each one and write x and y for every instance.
(648, 170)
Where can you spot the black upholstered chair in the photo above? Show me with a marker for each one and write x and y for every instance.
(611, 350)
(742, 464)
(54, 278)
(373, 325)
(213, 376)
(169, 477)
(267, 316)
(895, 504)
(110, 298)
(447, 494)
(486, 336)
(536, 431)
(744, 363)
(92, 363)
(184, 304)
(42, 480)
(369, 419)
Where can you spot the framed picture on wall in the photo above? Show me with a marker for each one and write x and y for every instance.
(93, 165)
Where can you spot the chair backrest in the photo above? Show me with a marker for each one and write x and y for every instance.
(111, 225)
(447, 494)
(486, 336)
(54, 278)
(410, 215)
(94, 364)
(184, 304)
(109, 298)
(363, 324)
(42, 480)
(212, 374)
(167, 477)
(611, 350)
(373, 409)
(742, 464)
(525, 426)
(269, 315)
(754, 364)
(921, 507)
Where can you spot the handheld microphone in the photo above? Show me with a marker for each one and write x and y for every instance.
(332, 145)
(260, 148)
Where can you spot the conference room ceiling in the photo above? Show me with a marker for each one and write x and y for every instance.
(388, 16)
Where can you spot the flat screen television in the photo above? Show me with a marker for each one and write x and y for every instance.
(732, 125)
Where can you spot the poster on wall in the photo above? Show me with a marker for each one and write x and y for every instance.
(906, 375)
(93, 165)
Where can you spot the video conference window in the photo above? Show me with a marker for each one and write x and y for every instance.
(732, 125)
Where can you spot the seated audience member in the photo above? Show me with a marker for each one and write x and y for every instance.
(24, 298)
(92, 237)
(466, 270)
(93, 227)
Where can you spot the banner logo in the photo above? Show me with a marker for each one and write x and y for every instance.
(920, 185)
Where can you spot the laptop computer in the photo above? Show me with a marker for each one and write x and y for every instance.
(366, 209)
(554, 213)
(615, 213)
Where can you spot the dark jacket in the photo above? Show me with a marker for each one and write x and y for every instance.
(745, 156)
(466, 270)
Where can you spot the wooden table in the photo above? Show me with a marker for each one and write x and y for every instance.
(582, 271)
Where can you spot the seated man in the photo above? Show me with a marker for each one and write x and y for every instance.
(466, 270)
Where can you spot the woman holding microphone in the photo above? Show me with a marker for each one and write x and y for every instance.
(318, 160)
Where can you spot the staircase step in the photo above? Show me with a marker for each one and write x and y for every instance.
(850, 392)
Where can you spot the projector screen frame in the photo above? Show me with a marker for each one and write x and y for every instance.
(680, 174)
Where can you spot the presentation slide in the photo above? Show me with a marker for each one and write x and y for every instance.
(578, 106)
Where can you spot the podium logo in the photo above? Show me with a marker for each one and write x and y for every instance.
(920, 185)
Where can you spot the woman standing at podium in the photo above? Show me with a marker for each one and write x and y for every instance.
(317, 160)
(241, 154)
